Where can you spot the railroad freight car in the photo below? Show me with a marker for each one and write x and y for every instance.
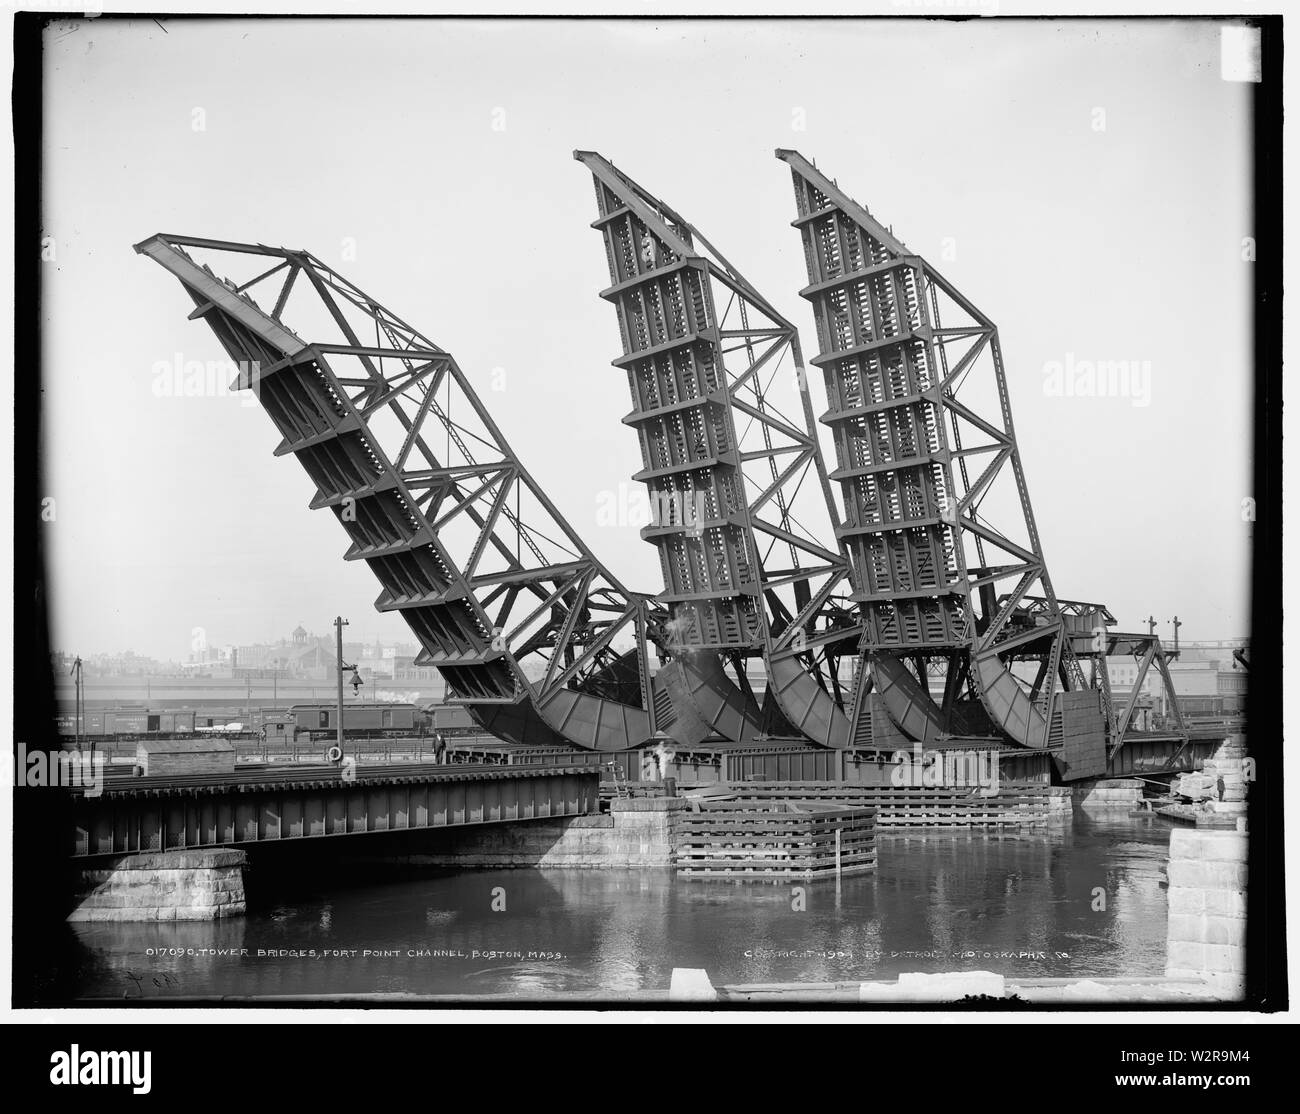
(132, 724)
(276, 728)
(320, 720)
(450, 720)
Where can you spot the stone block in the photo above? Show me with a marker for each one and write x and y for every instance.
(1217, 903)
(164, 886)
(1208, 875)
(1224, 959)
(1207, 846)
(1186, 927)
(1185, 955)
(1225, 931)
(918, 986)
(1193, 901)
(690, 984)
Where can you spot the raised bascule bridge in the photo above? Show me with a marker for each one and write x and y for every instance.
(892, 592)
(947, 566)
(746, 523)
(504, 597)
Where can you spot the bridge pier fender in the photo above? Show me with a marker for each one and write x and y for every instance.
(162, 886)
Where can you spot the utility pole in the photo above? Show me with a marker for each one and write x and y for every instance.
(76, 700)
(1151, 624)
(1177, 624)
(339, 624)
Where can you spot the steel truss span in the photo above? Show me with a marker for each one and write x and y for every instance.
(925, 576)
(742, 506)
(481, 565)
(924, 447)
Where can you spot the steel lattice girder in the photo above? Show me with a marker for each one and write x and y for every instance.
(724, 466)
(897, 378)
(471, 551)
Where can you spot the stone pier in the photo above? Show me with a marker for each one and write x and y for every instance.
(1109, 793)
(636, 833)
(1207, 909)
(1060, 804)
(163, 886)
(1228, 765)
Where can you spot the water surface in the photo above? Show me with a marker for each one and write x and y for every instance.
(1088, 901)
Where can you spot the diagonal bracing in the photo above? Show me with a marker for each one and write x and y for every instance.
(741, 502)
(504, 597)
(938, 524)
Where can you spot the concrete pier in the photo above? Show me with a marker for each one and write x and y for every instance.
(163, 886)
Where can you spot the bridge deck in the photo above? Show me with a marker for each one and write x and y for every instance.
(141, 814)
(121, 781)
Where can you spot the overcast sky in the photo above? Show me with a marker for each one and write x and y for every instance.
(1085, 184)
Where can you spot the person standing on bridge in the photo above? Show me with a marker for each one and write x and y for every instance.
(664, 754)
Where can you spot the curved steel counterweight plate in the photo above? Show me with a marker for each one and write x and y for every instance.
(808, 707)
(909, 704)
(483, 568)
(698, 681)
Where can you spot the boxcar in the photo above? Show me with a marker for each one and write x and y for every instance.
(358, 718)
(451, 720)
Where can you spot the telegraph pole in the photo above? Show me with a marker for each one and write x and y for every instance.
(76, 699)
(1151, 624)
(339, 624)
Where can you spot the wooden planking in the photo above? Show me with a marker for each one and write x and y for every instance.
(905, 807)
(769, 840)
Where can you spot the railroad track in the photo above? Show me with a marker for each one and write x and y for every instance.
(250, 778)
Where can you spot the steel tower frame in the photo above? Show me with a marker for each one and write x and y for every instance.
(483, 567)
(725, 467)
(931, 570)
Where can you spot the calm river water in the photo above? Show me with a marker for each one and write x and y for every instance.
(1085, 902)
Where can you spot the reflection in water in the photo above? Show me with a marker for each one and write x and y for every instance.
(1086, 902)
